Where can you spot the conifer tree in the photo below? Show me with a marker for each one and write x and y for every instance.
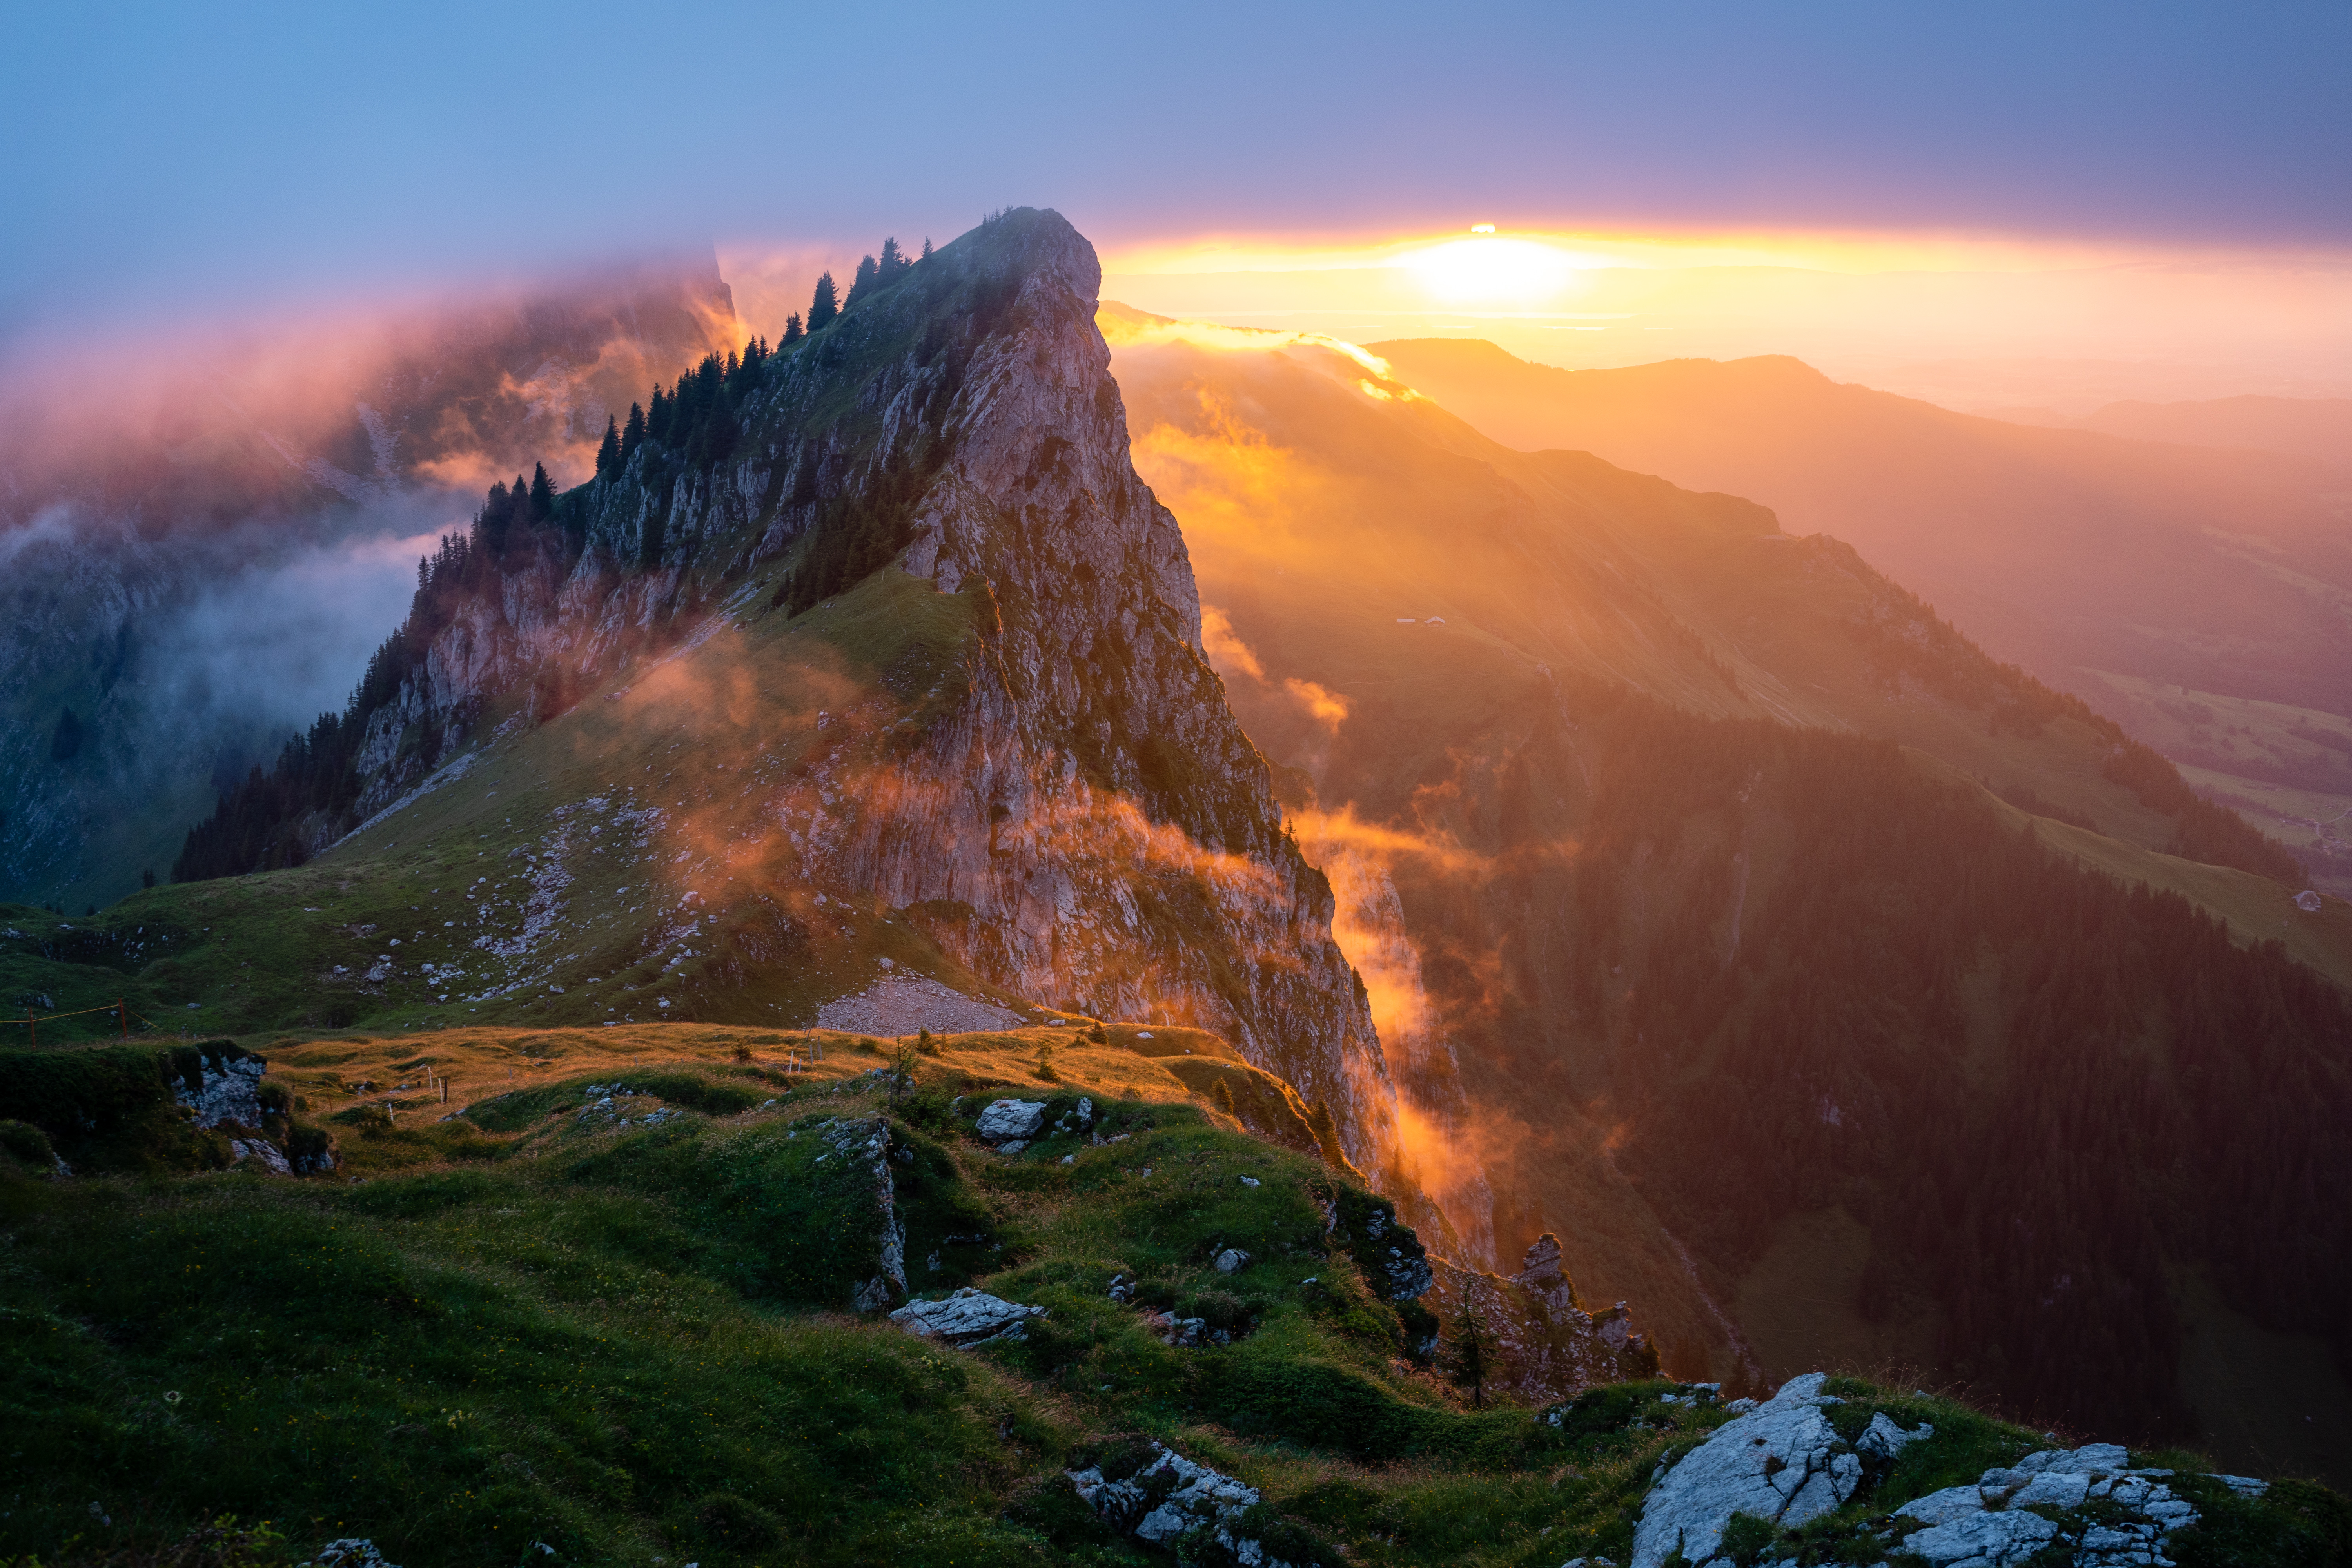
(825, 306)
(608, 455)
(542, 491)
(658, 417)
(894, 261)
(927, 248)
(791, 331)
(632, 435)
(490, 523)
(863, 283)
(1470, 1354)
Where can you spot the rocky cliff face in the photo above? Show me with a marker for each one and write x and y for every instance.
(1064, 793)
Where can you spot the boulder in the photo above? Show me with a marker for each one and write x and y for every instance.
(970, 1316)
(1782, 1462)
(1232, 1260)
(1006, 1119)
(1989, 1540)
(1884, 1439)
(261, 1151)
(1191, 1497)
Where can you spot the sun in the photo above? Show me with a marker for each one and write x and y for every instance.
(1493, 269)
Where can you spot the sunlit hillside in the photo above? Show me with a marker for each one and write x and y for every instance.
(2066, 551)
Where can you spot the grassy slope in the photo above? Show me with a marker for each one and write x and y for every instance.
(2256, 909)
(528, 1327)
(593, 918)
(2304, 753)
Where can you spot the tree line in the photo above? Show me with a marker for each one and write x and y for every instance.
(308, 797)
(278, 817)
(2042, 1090)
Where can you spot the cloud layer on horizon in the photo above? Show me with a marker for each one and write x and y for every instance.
(278, 153)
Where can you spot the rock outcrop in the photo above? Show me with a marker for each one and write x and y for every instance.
(968, 1318)
(2003, 1517)
(1168, 1496)
(1542, 1344)
(1782, 1462)
(1072, 782)
(864, 1143)
(225, 1088)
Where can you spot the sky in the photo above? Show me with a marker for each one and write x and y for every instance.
(170, 162)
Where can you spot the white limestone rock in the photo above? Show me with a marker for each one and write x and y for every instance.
(1201, 1498)
(261, 1151)
(1781, 1461)
(968, 1318)
(1941, 1507)
(352, 1551)
(231, 1092)
(1983, 1540)
(1992, 1522)
(1884, 1439)
(1010, 1118)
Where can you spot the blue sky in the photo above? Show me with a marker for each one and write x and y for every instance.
(167, 159)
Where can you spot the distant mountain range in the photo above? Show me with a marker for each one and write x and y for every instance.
(2065, 551)
(2316, 428)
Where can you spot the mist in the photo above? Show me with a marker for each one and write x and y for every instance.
(277, 643)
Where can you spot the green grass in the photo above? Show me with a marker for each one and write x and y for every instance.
(528, 1326)
(680, 736)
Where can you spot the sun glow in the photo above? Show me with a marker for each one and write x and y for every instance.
(1488, 268)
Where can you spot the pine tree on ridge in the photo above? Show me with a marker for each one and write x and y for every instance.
(608, 454)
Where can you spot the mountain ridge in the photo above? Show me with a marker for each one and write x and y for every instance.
(1015, 745)
(2057, 548)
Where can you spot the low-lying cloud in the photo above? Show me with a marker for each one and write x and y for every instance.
(279, 642)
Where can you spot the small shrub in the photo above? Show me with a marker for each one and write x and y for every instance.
(1119, 1457)
(1748, 1538)
(1283, 1540)
(28, 1145)
(1220, 1310)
